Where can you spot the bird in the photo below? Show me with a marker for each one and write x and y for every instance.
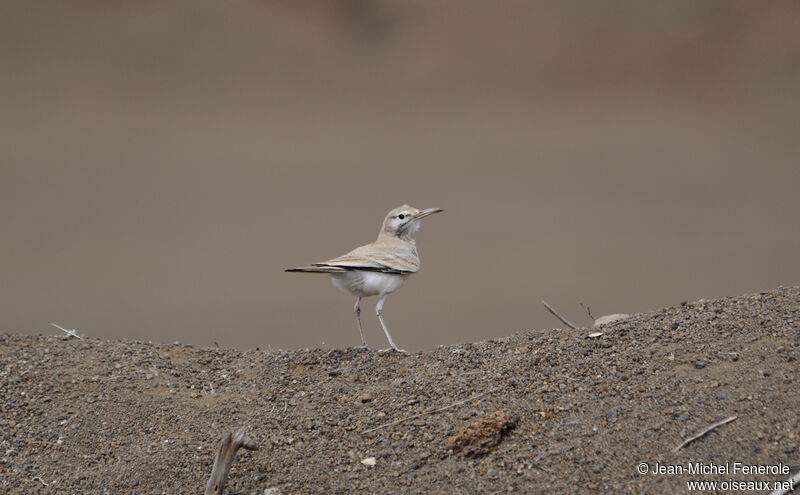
(378, 268)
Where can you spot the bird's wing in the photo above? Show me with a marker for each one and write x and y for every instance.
(389, 256)
(317, 269)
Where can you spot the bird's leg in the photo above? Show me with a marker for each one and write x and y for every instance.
(357, 310)
(379, 312)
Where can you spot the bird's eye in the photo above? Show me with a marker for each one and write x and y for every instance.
(401, 216)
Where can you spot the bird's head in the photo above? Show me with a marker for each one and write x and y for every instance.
(403, 222)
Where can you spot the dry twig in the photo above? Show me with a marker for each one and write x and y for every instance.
(692, 439)
(588, 311)
(563, 320)
(454, 404)
(71, 333)
(535, 463)
(225, 455)
(40, 480)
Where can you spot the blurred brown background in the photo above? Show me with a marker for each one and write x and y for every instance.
(161, 163)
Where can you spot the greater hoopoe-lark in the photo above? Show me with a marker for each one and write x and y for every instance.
(378, 268)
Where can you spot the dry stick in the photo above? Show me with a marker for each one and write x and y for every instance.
(71, 333)
(225, 455)
(563, 320)
(792, 483)
(537, 466)
(36, 478)
(454, 404)
(588, 311)
(692, 439)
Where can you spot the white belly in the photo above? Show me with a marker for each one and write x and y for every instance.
(367, 283)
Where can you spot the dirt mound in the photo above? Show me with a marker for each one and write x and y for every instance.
(94, 416)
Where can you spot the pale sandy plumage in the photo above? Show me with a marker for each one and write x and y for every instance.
(378, 268)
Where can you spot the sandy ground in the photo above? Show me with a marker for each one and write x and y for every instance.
(110, 416)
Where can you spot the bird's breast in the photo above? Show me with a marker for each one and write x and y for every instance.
(367, 283)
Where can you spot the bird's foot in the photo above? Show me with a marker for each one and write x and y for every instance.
(395, 349)
(364, 347)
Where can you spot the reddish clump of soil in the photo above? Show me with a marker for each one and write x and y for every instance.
(482, 434)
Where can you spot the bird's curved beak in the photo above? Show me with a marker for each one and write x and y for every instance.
(425, 213)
